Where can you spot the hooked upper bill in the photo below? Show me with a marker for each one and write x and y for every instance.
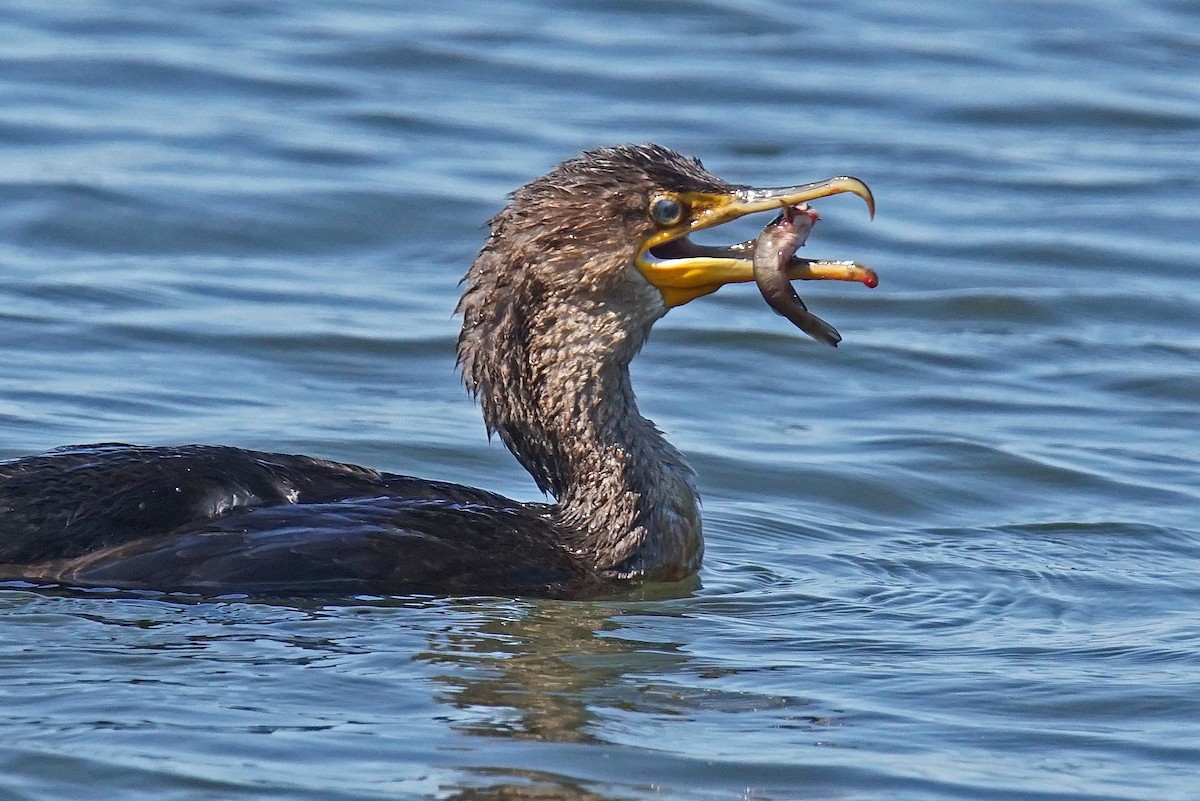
(683, 271)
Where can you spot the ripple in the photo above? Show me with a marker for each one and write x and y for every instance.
(956, 557)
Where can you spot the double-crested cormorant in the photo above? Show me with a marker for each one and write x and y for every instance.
(579, 265)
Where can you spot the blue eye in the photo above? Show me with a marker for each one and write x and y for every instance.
(665, 211)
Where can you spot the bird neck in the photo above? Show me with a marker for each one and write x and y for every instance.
(553, 381)
(619, 484)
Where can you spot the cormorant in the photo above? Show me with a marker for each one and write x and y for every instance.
(578, 267)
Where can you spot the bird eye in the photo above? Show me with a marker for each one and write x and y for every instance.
(666, 211)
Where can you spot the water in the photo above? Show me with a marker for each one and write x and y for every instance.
(958, 557)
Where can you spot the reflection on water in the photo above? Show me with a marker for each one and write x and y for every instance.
(530, 784)
(537, 675)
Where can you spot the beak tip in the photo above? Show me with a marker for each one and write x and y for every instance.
(860, 188)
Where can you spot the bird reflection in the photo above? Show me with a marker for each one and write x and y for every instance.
(540, 671)
(525, 785)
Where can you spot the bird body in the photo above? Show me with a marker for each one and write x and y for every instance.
(578, 267)
(212, 519)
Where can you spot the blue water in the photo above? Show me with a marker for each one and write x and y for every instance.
(956, 558)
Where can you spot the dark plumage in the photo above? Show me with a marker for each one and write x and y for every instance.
(213, 519)
(558, 302)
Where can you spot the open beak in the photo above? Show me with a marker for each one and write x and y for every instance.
(683, 271)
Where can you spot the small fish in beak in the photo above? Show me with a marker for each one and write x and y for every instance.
(773, 252)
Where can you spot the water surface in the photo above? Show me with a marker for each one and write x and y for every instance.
(957, 557)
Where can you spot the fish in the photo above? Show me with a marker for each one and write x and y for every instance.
(773, 252)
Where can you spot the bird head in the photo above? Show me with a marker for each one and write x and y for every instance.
(583, 260)
(637, 205)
